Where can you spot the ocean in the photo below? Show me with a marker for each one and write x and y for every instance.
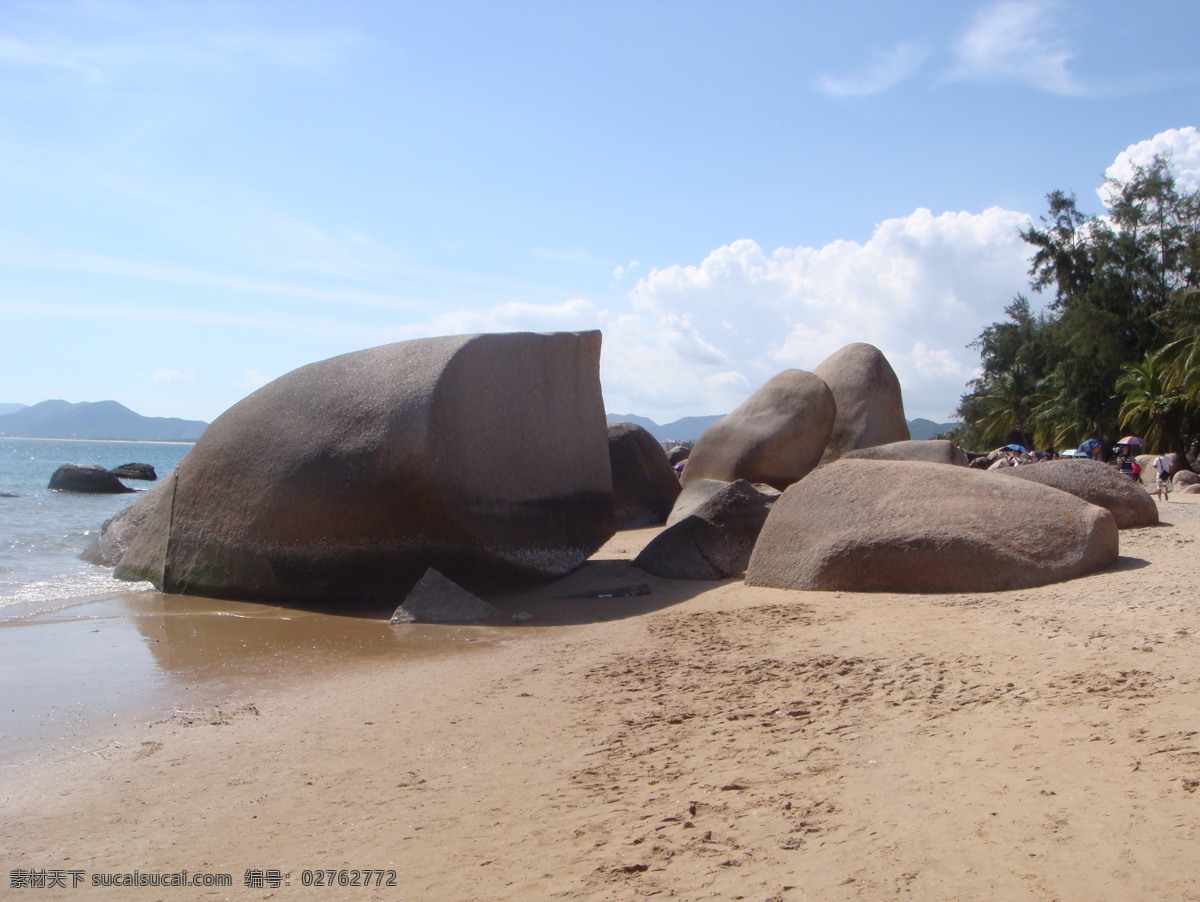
(83, 654)
(43, 532)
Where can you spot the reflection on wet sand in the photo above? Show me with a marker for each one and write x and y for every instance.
(136, 655)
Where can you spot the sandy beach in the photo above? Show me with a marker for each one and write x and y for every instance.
(701, 741)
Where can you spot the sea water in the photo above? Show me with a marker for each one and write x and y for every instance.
(43, 532)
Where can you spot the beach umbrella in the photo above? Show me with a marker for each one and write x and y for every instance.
(1131, 440)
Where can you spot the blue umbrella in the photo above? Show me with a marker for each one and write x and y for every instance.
(1089, 446)
(1015, 447)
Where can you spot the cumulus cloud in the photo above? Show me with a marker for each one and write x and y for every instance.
(883, 72)
(1180, 145)
(1013, 40)
(251, 380)
(701, 337)
(570, 315)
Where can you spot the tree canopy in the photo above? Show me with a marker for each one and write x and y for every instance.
(1118, 346)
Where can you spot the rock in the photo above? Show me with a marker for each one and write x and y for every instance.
(109, 545)
(644, 484)
(1193, 489)
(714, 540)
(135, 471)
(870, 408)
(482, 456)
(877, 526)
(435, 599)
(89, 479)
(776, 436)
(678, 454)
(696, 494)
(1097, 483)
(937, 451)
(1184, 478)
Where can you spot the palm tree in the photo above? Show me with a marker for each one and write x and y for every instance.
(1005, 401)
(1151, 402)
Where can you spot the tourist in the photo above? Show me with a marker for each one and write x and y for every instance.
(1162, 477)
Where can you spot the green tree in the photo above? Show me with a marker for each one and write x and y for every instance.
(1151, 404)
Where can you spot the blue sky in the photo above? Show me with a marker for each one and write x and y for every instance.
(197, 198)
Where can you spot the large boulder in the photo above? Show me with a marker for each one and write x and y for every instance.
(644, 483)
(714, 539)
(88, 479)
(776, 436)
(937, 451)
(912, 526)
(870, 408)
(1097, 483)
(1183, 478)
(112, 541)
(482, 456)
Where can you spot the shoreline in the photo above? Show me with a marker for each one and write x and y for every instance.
(708, 740)
(122, 441)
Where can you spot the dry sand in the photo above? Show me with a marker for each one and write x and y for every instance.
(705, 741)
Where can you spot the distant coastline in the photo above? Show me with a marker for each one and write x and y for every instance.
(102, 421)
(123, 441)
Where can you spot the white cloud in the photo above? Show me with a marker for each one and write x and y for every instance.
(701, 337)
(251, 380)
(885, 71)
(621, 271)
(1013, 40)
(173, 377)
(569, 316)
(1180, 145)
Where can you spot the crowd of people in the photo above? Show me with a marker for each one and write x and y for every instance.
(1123, 458)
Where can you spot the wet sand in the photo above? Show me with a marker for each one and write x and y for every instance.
(702, 741)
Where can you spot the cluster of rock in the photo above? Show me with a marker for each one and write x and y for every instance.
(442, 467)
(814, 483)
(93, 479)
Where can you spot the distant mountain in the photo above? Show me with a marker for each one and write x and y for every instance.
(11, 408)
(926, 429)
(103, 420)
(688, 429)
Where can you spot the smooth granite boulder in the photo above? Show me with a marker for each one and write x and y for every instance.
(1095, 482)
(88, 479)
(644, 483)
(870, 408)
(714, 539)
(936, 451)
(482, 456)
(912, 526)
(109, 544)
(776, 436)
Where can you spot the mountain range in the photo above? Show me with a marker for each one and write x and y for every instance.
(110, 421)
(688, 429)
(99, 420)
